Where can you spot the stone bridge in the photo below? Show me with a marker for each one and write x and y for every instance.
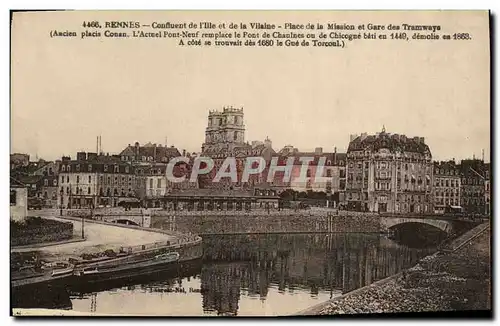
(388, 222)
(143, 220)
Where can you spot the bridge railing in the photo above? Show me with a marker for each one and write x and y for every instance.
(261, 212)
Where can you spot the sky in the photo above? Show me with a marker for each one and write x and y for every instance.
(67, 91)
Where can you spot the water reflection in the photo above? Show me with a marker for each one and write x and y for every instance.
(254, 275)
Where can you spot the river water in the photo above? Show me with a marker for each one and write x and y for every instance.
(242, 275)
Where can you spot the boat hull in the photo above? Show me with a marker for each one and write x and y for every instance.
(138, 275)
(129, 271)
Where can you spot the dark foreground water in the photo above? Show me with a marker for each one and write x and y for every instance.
(241, 275)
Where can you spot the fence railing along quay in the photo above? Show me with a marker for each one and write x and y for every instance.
(465, 238)
(177, 238)
(261, 212)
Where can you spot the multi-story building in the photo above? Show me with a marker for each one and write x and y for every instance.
(151, 181)
(18, 200)
(339, 177)
(41, 180)
(473, 186)
(389, 173)
(446, 180)
(225, 137)
(94, 180)
(332, 181)
(179, 170)
(148, 153)
(19, 160)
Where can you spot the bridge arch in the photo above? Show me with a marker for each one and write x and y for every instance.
(124, 221)
(389, 222)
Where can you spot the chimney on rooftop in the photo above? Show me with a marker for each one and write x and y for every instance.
(81, 156)
(91, 156)
(136, 149)
(318, 151)
(183, 153)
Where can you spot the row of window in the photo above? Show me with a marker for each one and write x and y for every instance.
(101, 179)
(466, 193)
(401, 198)
(157, 193)
(117, 180)
(143, 158)
(67, 168)
(78, 190)
(472, 181)
(88, 191)
(447, 201)
(77, 179)
(46, 182)
(445, 171)
(383, 186)
(158, 183)
(446, 192)
(447, 183)
(385, 165)
(474, 201)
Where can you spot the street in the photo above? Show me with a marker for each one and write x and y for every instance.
(98, 237)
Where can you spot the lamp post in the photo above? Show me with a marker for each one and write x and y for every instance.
(61, 203)
(83, 227)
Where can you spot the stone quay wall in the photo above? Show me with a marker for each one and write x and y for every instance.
(261, 221)
(457, 278)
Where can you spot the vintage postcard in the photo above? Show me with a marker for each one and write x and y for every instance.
(250, 163)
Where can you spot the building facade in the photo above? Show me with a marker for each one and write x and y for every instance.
(151, 180)
(19, 160)
(179, 170)
(333, 172)
(18, 201)
(473, 186)
(389, 173)
(94, 180)
(446, 180)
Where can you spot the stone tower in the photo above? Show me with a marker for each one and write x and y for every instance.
(225, 127)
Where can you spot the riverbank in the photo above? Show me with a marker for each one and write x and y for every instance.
(106, 240)
(445, 281)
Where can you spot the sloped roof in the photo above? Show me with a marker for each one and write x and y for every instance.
(27, 179)
(150, 150)
(14, 183)
(393, 142)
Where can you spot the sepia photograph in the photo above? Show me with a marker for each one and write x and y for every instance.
(250, 163)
